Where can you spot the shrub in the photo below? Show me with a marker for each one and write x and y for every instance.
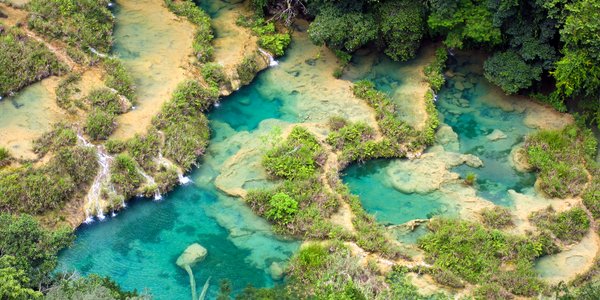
(497, 217)
(247, 69)
(144, 148)
(5, 157)
(435, 70)
(569, 226)
(560, 156)
(470, 179)
(64, 92)
(213, 74)
(61, 135)
(124, 175)
(296, 158)
(283, 208)
(24, 61)
(268, 38)
(99, 124)
(115, 146)
(119, 78)
(81, 23)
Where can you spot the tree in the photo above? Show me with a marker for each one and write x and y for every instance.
(401, 27)
(14, 282)
(510, 72)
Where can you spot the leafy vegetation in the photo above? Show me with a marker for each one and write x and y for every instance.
(501, 263)
(91, 287)
(185, 128)
(268, 37)
(81, 23)
(28, 256)
(65, 90)
(435, 70)
(105, 106)
(568, 226)
(5, 157)
(124, 175)
(510, 72)
(298, 157)
(247, 69)
(204, 35)
(119, 79)
(24, 61)
(560, 157)
(497, 217)
(214, 75)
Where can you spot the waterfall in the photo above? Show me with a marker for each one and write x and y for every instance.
(94, 204)
(152, 182)
(272, 61)
(183, 180)
(97, 53)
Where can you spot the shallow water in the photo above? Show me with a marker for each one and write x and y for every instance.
(27, 115)
(138, 248)
(471, 107)
(155, 47)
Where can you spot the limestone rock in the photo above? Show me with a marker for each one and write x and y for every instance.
(276, 271)
(193, 254)
(519, 159)
(497, 134)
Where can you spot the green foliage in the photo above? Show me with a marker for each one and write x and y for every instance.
(24, 61)
(185, 128)
(91, 287)
(124, 175)
(144, 148)
(559, 156)
(5, 157)
(569, 226)
(435, 70)
(115, 146)
(118, 78)
(463, 20)
(401, 26)
(65, 90)
(204, 34)
(283, 208)
(28, 254)
(497, 217)
(213, 74)
(81, 23)
(298, 157)
(588, 291)
(99, 124)
(481, 256)
(510, 72)
(591, 196)
(470, 179)
(268, 38)
(400, 287)
(247, 69)
(339, 29)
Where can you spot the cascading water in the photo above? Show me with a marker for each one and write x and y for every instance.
(151, 182)
(93, 197)
(183, 180)
(272, 61)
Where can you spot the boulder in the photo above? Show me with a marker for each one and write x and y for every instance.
(193, 254)
(276, 271)
(497, 134)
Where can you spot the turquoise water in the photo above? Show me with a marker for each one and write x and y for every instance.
(472, 113)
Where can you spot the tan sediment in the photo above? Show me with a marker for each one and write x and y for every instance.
(162, 62)
(14, 16)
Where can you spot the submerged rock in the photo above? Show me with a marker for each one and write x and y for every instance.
(276, 271)
(497, 134)
(192, 255)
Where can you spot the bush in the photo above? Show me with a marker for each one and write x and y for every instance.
(5, 157)
(296, 158)
(90, 287)
(497, 217)
(100, 124)
(510, 72)
(268, 38)
(64, 92)
(118, 78)
(213, 74)
(247, 69)
(81, 23)
(24, 61)
(144, 148)
(479, 255)
(283, 208)
(61, 135)
(435, 70)
(560, 156)
(569, 226)
(124, 175)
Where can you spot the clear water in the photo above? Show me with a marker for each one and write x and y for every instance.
(473, 119)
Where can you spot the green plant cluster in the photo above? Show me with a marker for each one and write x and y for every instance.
(203, 37)
(105, 105)
(214, 75)
(560, 156)
(24, 61)
(501, 264)
(65, 90)
(435, 70)
(91, 287)
(268, 37)
(144, 148)
(298, 157)
(5, 157)
(183, 123)
(37, 190)
(591, 196)
(119, 79)
(247, 69)
(28, 256)
(81, 23)
(568, 226)
(124, 175)
(497, 217)
(297, 207)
